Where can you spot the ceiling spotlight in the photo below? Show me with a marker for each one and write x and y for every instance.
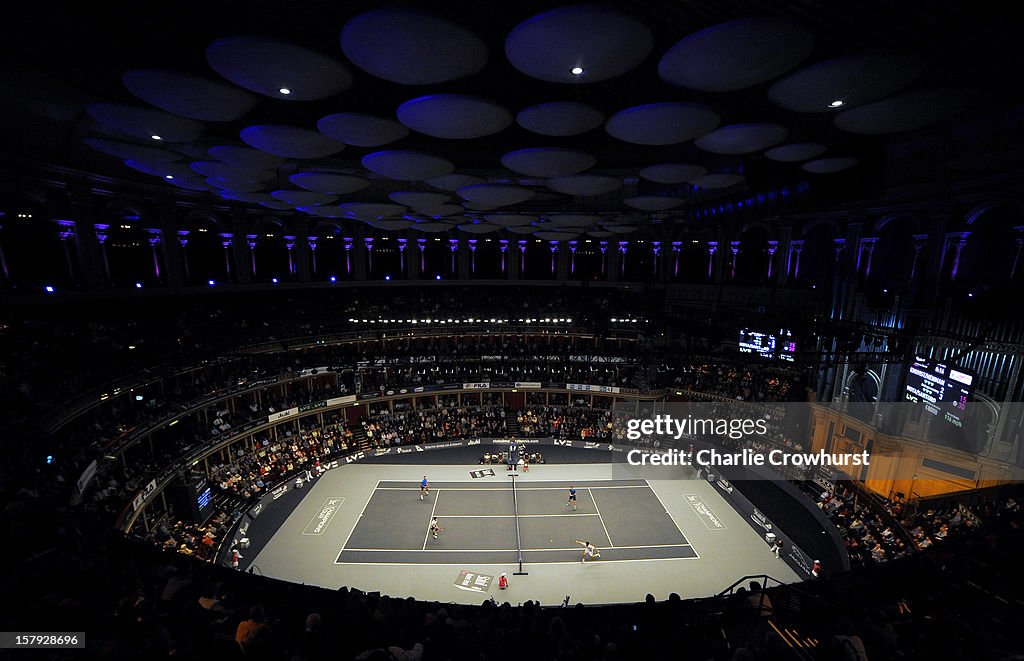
(836, 103)
(285, 91)
(168, 176)
(577, 71)
(156, 137)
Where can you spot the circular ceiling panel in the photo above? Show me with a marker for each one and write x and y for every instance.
(906, 111)
(479, 228)
(453, 182)
(289, 141)
(829, 165)
(245, 157)
(672, 173)
(510, 219)
(621, 229)
(329, 182)
(131, 151)
(578, 44)
(600, 234)
(235, 184)
(145, 123)
(359, 130)
(548, 161)
(407, 165)
(253, 198)
(419, 199)
(411, 47)
(794, 152)
(432, 227)
(653, 202)
(662, 123)
(303, 197)
(494, 195)
(323, 211)
(390, 225)
(742, 138)
(584, 184)
(277, 205)
(370, 210)
(190, 183)
(187, 95)
(735, 55)
(717, 180)
(230, 171)
(560, 118)
(441, 210)
(521, 229)
(277, 69)
(847, 81)
(454, 116)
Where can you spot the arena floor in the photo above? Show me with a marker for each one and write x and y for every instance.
(365, 526)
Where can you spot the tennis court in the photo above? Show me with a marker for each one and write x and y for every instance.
(492, 523)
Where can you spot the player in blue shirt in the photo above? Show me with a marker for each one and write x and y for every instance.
(424, 487)
(572, 498)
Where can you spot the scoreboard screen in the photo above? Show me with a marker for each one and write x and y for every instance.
(779, 345)
(942, 388)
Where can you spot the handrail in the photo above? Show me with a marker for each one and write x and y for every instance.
(746, 579)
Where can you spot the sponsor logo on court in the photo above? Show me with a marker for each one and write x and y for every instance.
(355, 457)
(383, 451)
(475, 441)
(590, 445)
(566, 443)
(760, 519)
(724, 485)
(318, 524)
(473, 582)
(487, 472)
(280, 491)
(419, 448)
(255, 511)
(704, 511)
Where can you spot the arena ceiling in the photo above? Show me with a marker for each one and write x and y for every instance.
(514, 117)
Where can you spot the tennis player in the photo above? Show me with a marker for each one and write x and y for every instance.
(588, 549)
(424, 488)
(572, 498)
(434, 528)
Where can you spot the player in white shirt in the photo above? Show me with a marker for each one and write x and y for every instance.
(588, 549)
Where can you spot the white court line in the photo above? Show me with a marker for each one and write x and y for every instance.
(349, 536)
(518, 488)
(510, 516)
(672, 518)
(573, 548)
(437, 495)
(506, 564)
(611, 544)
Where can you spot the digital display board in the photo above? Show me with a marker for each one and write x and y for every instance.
(943, 389)
(779, 345)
